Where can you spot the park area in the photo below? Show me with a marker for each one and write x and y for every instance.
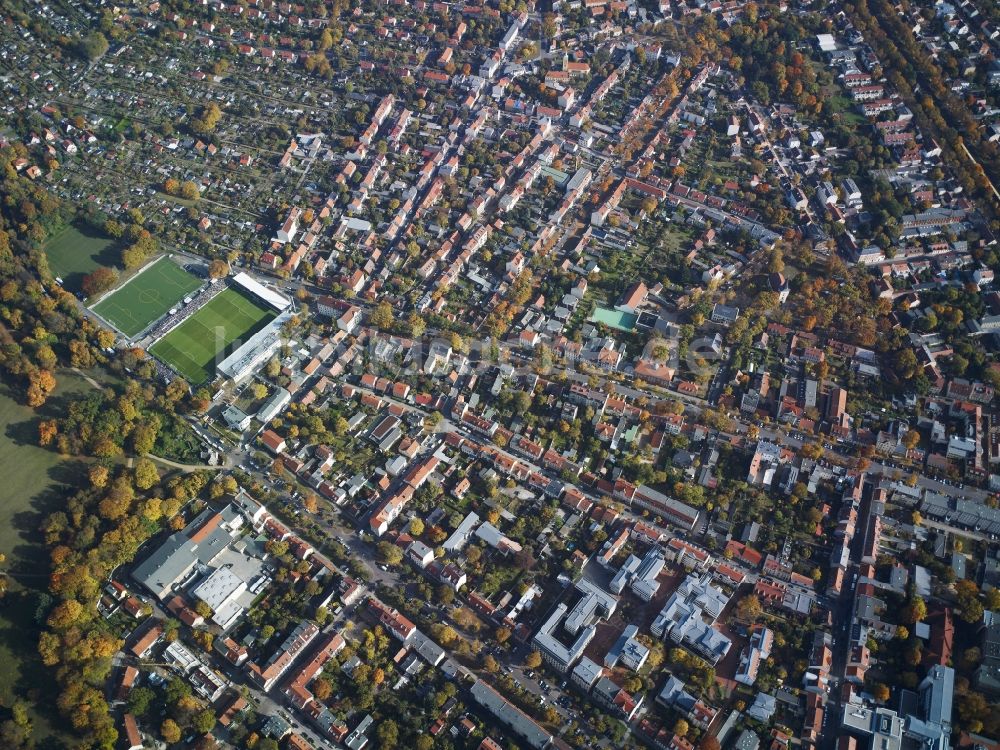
(214, 331)
(147, 296)
(77, 251)
(37, 481)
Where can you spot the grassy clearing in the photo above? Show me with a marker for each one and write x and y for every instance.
(844, 106)
(193, 346)
(78, 250)
(147, 296)
(36, 482)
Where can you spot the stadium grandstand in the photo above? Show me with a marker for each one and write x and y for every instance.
(257, 350)
(261, 292)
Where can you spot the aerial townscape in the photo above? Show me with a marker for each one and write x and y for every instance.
(495, 375)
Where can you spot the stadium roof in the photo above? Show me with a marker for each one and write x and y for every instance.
(253, 286)
(252, 354)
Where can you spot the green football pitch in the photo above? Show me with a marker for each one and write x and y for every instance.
(192, 347)
(147, 296)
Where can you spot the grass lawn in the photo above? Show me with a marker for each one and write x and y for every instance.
(147, 296)
(844, 106)
(193, 346)
(36, 482)
(78, 250)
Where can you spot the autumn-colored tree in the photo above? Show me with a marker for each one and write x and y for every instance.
(203, 722)
(444, 634)
(388, 735)
(189, 191)
(47, 431)
(813, 451)
(416, 526)
(436, 535)
(171, 186)
(970, 608)
(681, 727)
(170, 731)
(880, 692)
(749, 609)
(65, 614)
(218, 269)
(382, 316)
(117, 502)
(915, 611)
(533, 660)
(80, 354)
(322, 689)
(92, 46)
(389, 554)
(208, 120)
(40, 384)
(98, 475)
(144, 436)
(146, 474)
(99, 280)
(502, 634)
(444, 594)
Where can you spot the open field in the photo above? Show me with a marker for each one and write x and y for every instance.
(194, 346)
(147, 296)
(76, 251)
(36, 482)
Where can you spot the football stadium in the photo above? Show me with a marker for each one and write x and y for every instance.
(231, 332)
(197, 329)
(191, 348)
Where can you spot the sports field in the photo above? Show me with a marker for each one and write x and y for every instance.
(78, 250)
(147, 296)
(193, 347)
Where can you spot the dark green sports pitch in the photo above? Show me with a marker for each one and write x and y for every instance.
(193, 348)
(147, 296)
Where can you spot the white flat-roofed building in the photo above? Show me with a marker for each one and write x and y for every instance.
(180, 657)
(273, 406)
(220, 592)
(460, 537)
(558, 654)
(826, 42)
(683, 618)
(251, 355)
(235, 418)
(627, 650)
(586, 673)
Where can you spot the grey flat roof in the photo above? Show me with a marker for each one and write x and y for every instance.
(510, 715)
